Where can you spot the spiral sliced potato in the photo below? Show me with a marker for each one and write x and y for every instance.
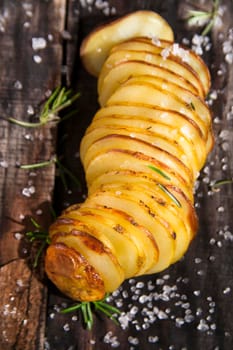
(141, 154)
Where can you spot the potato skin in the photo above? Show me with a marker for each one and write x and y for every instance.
(73, 274)
(141, 154)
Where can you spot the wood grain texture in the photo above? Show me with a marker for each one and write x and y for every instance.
(27, 75)
(192, 300)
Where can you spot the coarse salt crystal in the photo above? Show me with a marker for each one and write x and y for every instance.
(38, 43)
(3, 164)
(18, 85)
(37, 59)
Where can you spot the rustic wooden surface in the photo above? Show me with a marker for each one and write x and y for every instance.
(202, 281)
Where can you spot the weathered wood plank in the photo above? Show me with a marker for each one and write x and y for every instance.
(30, 68)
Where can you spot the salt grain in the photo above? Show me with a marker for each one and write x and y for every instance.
(203, 326)
(38, 43)
(133, 340)
(28, 191)
(18, 85)
(66, 327)
(4, 164)
(197, 292)
(153, 339)
(37, 59)
(18, 236)
(227, 290)
(30, 110)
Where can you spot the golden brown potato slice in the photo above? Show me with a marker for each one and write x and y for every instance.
(160, 209)
(127, 160)
(124, 142)
(163, 236)
(73, 274)
(169, 65)
(151, 96)
(127, 227)
(96, 46)
(154, 133)
(129, 177)
(98, 256)
(131, 68)
(119, 242)
(173, 51)
(184, 125)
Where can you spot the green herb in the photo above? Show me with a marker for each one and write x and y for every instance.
(159, 171)
(215, 186)
(60, 99)
(171, 195)
(62, 170)
(86, 310)
(207, 18)
(192, 106)
(38, 235)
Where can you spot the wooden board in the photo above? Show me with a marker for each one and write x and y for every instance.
(27, 74)
(189, 306)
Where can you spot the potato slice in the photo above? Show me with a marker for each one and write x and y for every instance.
(159, 210)
(119, 242)
(127, 227)
(162, 235)
(128, 143)
(128, 177)
(173, 51)
(170, 65)
(73, 274)
(194, 103)
(184, 125)
(131, 68)
(126, 160)
(154, 133)
(150, 96)
(98, 256)
(96, 46)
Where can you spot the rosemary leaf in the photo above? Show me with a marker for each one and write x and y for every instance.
(87, 313)
(39, 253)
(171, 195)
(35, 223)
(159, 171)
(37, 165)
(219, 183)
(109, 307)
(24, 124)
(89, 316)
(71, 308)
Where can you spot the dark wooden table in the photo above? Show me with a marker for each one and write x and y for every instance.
(190, 305)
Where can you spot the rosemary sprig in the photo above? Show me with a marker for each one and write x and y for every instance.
(39, 235)
(86, 308)
(171, 195)
(207, 18)
(63, 171)
(59, 99)
(159, 171)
